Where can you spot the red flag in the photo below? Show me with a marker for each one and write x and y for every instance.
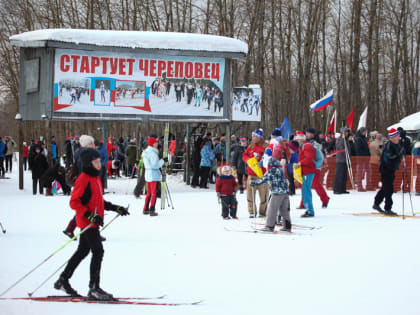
(350, 120)
(332, 127)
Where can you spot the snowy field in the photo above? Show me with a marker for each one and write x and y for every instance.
(352, 265)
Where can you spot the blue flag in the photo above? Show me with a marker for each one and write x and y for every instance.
(286, 129)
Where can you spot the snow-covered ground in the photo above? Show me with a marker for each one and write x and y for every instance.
(352, 265)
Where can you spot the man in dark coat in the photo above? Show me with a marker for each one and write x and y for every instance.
(38, 164)
(389, 164)
(362, 153)
(342, 148)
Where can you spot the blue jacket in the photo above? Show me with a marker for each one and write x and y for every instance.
(53, 150)
(293, 160)
(104, 155)
(152, 164)
(207, 155)
(275, 176)
(2, 147)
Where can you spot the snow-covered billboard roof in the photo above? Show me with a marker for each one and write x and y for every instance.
(132, 39)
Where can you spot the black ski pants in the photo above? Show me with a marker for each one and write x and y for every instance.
(9, 161)
(386, 190)
(90, 240)
(204, 175)
(35, 183)
(340, 178)
(292, 189)
(229, 206)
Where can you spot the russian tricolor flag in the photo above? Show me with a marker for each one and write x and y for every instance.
(323, 102)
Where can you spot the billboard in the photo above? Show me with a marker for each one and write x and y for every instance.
(105, 82)
(246, 103)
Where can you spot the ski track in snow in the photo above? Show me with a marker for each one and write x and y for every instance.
(352, 265)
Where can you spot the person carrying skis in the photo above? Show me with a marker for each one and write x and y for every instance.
(279, 196)
(152, 165)
(226, 187)
(87, 200)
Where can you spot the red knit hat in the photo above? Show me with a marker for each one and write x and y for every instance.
(393, 133)
(300, 135)
(151, 141)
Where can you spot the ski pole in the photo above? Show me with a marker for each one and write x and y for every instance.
(2, 228)
(59, 268)
(45, 260)
(169, 195)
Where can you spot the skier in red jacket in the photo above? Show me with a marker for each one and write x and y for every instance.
(87, 201)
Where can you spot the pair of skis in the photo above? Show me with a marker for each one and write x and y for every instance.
(116, 301)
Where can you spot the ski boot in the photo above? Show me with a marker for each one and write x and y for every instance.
(97, 294)
(153, 213)
(63, 284)
(287, 226)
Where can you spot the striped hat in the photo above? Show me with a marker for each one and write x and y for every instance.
(393, 133)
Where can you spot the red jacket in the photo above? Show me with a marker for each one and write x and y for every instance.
(25, 151)
(87, 196)
(306, 158)
(249, 153)
(226, 185)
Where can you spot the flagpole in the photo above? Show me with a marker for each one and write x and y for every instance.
(328, 120)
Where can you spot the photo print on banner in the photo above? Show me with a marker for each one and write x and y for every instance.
(105, 83)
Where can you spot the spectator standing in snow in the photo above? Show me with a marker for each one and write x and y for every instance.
(207, 157)
(226, 187)
(389, 164)
(38, 164)
(152, 165)
(256, 149)
(279, 200)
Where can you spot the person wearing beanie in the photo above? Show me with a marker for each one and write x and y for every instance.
(275, 141)
(86, 142)
(87, 200)
(256, 149)
(306, 158)
(152, 165)
(317, 181)
(389, 163)
(279, 201)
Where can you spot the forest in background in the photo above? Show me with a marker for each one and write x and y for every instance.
(368, 51)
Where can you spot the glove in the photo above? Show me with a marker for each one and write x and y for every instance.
(165, 159)
(218, 197)
(252, 183)
(122, 211)
(256, 155)
(283, 162)
(94, 218)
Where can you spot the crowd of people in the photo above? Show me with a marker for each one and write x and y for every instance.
(360, 161)
(267, 166)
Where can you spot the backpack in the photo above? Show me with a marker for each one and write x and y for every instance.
(319, 157)
(71, 174)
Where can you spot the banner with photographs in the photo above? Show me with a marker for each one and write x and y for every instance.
(246, 103)
(102, 82)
